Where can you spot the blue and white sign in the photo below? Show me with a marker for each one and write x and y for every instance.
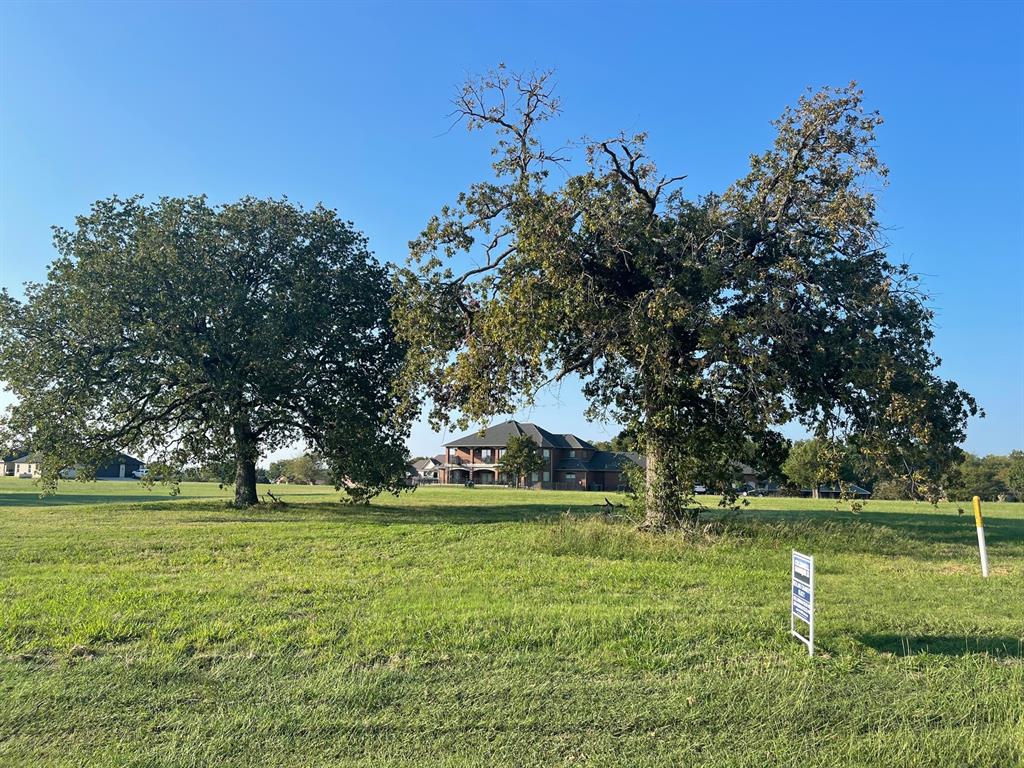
(802, 608)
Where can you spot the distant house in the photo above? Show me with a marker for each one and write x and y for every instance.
(121, 467)
(28, 466)
(744, 474)
(569, 462)
(835, 491)
(427, 470)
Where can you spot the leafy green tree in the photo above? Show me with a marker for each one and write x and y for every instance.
(891, 490)
(705, 321)
(626, 440)
(813, 462)
(211, 472)
(766, 456)
(802, 466)
(521, 457)
(277, 470)
(1015, 475)
(976, 476)
(190, 333)
(306, 468)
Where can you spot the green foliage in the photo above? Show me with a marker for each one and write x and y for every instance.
(521, 457)
(707, 322)
(1014, 478)
(307, 469)
(802, 467)
(811, 463)
(766, 456)
(892, 490)
(628, 439)
(213, 472)
(188, 333)
(977, 476)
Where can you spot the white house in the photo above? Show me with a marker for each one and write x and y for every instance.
(427, 469)
(27, 466)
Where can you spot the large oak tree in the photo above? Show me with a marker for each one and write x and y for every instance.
(701, 322)
(189, 333)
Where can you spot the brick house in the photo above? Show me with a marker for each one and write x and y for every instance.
(569, 462)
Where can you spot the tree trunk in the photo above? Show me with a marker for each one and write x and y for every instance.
(246, 452)
(660, 497)
(815, 493)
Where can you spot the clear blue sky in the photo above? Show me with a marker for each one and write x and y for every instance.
(346, 104)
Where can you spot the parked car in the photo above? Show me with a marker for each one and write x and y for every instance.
(140, 473)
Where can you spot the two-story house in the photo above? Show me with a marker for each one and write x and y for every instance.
(569, 462)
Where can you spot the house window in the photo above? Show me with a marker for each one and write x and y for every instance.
(486, 456)
(547, 454)
(570, 475)
(534, 477)
(547, 477)
(572, 454)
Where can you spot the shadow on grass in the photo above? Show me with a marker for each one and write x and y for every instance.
(380, 514)
(875, 531)
(945, 645)
(79, 499)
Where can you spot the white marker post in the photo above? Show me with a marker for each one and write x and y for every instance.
(802, 607)
(980, 525)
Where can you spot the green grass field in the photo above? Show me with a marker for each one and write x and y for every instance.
(457, 627)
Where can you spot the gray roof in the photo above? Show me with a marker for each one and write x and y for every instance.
(743, 469)
(421, 464)
(602, 461)
(37, 457)
(498, 435)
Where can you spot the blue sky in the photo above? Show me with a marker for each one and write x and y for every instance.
(347, 104)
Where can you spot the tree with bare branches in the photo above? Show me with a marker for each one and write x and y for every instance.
(700, 322)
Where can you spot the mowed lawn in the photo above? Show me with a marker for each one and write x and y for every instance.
(457, 627)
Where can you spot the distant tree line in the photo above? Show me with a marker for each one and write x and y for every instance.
(306, 469)
(815, 462)
(805, 464)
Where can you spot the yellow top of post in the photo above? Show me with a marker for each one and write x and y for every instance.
(977, 512)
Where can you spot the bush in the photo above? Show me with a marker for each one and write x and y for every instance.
(892, 490)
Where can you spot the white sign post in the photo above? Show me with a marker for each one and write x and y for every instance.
(802, 608)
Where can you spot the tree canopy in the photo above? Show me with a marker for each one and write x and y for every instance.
(187, 333)
(702, 322)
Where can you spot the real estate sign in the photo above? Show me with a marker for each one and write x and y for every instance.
(801, 612)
